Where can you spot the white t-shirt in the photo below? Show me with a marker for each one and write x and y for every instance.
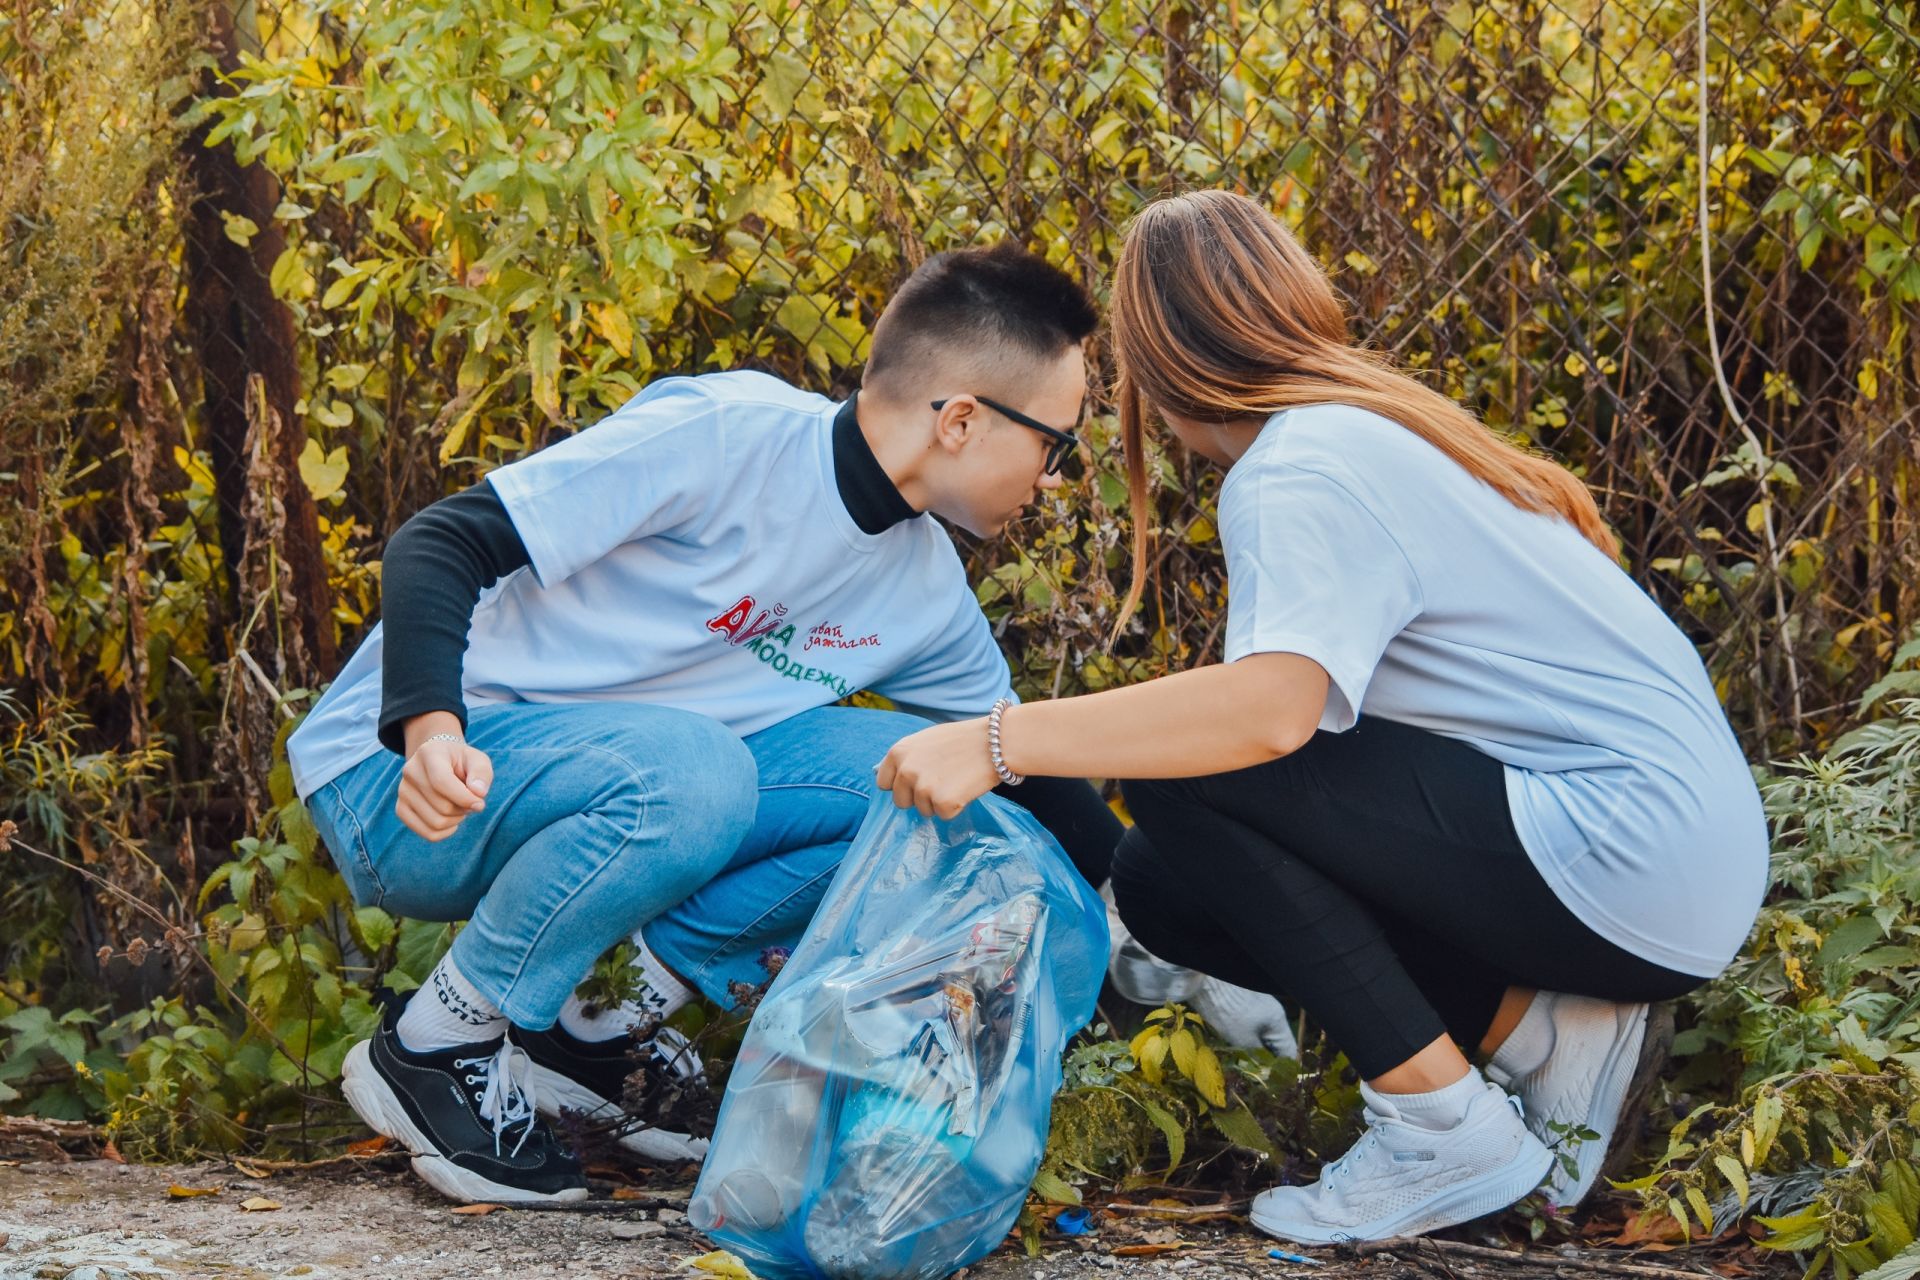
(1433, 601)
(692, 550)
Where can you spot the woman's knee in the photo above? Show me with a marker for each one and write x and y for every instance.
(1142, 886)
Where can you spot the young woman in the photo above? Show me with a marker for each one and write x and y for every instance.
(1459, 785)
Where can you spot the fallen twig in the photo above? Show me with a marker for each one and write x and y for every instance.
(1531, 1258)
(255, 1168)
(1225, 1208)
(56, 1139)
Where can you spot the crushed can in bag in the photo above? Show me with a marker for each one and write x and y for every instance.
(890, 1103)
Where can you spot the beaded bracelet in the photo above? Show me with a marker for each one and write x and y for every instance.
(1007, 775)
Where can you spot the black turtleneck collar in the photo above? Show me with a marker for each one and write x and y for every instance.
(868, 492)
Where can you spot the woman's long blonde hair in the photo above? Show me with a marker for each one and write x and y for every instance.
(1219, 315)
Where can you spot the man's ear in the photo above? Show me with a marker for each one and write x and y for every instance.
(957, 421)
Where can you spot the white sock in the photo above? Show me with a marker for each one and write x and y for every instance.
(447, 1011)
(660, 995)
(1439, 1110)
(1530, 1043)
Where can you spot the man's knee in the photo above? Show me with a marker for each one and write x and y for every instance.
(688, 785)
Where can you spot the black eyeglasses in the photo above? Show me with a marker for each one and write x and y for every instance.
(1064, 442)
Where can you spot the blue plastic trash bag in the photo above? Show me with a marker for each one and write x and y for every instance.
(889, 1106)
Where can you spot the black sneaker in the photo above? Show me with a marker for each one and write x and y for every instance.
(470, 1124)
(588, 1076)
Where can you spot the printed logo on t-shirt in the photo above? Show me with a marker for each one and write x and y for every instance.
(828, 636)
(767, 635)
(740, 625)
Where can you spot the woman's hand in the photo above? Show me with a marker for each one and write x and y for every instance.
(941, 770)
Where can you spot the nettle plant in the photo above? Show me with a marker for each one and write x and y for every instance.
(1815, 1032)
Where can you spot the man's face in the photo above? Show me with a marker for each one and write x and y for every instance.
(1000, 465)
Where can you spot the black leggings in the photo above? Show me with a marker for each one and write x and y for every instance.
(1373, 878)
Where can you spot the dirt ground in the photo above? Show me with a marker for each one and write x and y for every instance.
(99, 1220)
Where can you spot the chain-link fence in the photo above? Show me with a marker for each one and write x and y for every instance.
(440, 230)
(276, 274)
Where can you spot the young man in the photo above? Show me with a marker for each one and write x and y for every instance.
(603, 682)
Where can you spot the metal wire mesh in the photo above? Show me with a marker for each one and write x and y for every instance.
(1507, 192)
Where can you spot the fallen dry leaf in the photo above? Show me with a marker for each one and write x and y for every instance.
(368, 1146)
(252, 1170)
(112, 1152)
(4, 1237)
(1649, 1230)
(258, 1204)
(178, 1192)
(480, 1210)
(720, 1263)
(629, 1193)
(1149, 1250)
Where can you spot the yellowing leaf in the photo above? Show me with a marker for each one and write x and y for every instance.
(1153, 1058)
(258, 1204)
(1678, 1212)
(1735, 1176)
(1050, 1187)
(1208, 1078)
(543, 352)
(178, 1192)
(248, 934)
(1183, 1046)
(1575, 364)
(1698, 1200)
(290, 277)
(324, 474)
(345, 377)
(1767, 1114)
(339, 291)
(613, 324)
(720, 1263)
(241, 230)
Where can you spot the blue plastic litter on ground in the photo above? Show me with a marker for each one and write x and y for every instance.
(1072, 1222)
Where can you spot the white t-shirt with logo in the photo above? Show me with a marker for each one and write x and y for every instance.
(692, 550)
(1433, 601)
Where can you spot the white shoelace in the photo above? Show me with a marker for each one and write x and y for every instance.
(1332, 1172)
(508, 1097)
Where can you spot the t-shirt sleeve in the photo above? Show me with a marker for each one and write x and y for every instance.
(653, 464)
(960, 671)
(1311, 570)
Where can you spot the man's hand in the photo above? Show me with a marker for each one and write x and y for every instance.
(444, 780)
(941, 770)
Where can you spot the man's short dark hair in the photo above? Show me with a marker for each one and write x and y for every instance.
(966, 303)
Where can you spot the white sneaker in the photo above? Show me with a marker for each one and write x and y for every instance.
(1587, 1081)
(1403, 1180)
(1244, 1018)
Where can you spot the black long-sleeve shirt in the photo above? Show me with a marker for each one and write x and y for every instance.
(441, 560)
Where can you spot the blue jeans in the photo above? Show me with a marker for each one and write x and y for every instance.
(605, 816)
